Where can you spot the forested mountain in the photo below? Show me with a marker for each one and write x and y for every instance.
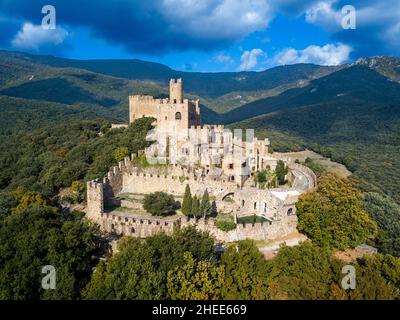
(219, 91)
(209, 85)
(354, 86)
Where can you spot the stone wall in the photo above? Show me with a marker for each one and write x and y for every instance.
(141, 227)
(250, 200)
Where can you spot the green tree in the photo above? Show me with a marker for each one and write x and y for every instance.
(96, 288)
(245, 272)
(159, 204)
(78, 190)
(120, 153)
(261, 177)
(28, 199)
(139, 270)
(281, 171)
(39, 236)
(303, 272)
(7, 203)
(334, 216)
(130, 274)
(387, 214)
(195, 280)
(205, 205)
(371, 285)
(195, 212)
(187, 202)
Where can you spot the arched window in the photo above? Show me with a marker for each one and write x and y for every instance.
(242, 203)
(178, 116)
(132, 230)
(290, 212)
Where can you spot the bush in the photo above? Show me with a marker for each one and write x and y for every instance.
(120, 153)
(225, 225)
(159, 204)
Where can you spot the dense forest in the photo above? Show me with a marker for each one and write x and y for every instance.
(53, 157)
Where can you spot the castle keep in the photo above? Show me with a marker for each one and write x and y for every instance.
(205, 157)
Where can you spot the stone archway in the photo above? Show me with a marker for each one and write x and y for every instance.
(228, 195)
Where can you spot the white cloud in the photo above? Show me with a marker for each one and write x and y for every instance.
(249, 59)
(32, 37)
(380, 18)
(328, 55)
(217, 19)
(322, 13)
(223, 58)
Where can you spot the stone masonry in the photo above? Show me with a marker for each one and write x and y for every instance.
(224, 165)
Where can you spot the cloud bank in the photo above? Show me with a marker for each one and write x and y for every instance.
(328, 55)
(157, 27)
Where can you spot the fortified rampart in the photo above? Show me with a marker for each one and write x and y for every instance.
(140, 227)
(124, 178)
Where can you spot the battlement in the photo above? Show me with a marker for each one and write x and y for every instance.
(94, 185)
(142, 98)
(179, 80)
(122, 165)
(216, 127)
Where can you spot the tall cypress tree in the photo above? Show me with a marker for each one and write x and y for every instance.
(281, 171)
(187, 202)
(205, 206)
(195, 207)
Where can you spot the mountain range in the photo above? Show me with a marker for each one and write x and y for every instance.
(349, 112)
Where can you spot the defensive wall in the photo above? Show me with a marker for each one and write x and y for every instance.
(141, 227)
(125, 178)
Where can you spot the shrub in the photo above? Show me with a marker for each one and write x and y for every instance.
(225, 225)
(120, 153)
(159, 204)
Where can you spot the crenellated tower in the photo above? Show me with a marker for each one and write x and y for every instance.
(175, 91)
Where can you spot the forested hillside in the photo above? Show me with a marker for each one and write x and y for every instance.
(52, 157)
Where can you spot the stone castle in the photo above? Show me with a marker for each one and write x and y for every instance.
(205, 157)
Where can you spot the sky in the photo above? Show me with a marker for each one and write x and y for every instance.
(205, 35)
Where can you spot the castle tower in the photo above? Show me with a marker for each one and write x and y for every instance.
(175, 90)
(95, 200)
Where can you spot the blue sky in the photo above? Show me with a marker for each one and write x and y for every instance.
(204, 35)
